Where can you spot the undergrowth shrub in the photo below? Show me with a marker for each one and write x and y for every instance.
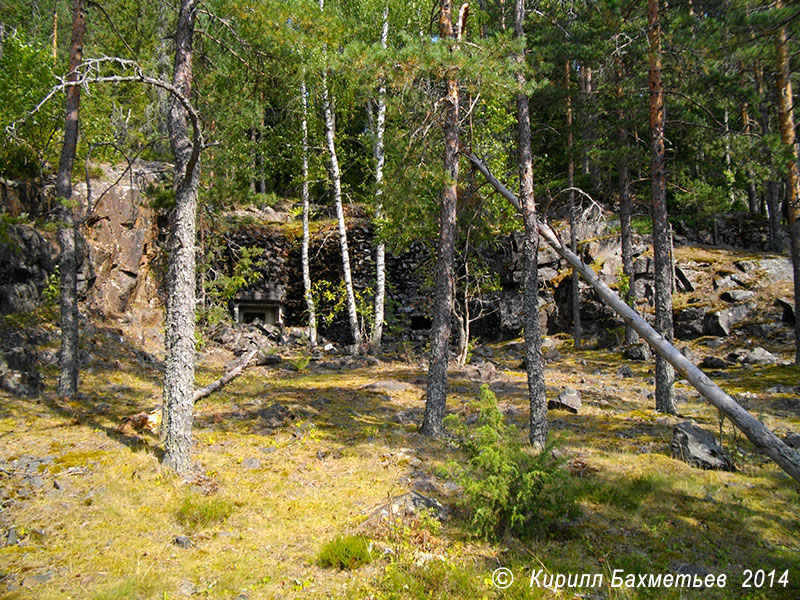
(345, 552)
(509, 488)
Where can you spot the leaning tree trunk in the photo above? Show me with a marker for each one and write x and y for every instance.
(623, 183)
(575, 296)
(312, 313)
(380, 250)
(665, 375)
(786, 103)
(435, 404)
(766, 441)
(180, 314)
(533, 340)
(68, 229)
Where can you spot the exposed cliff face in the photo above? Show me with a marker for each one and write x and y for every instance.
(26, 260)
(122, 236)
(123, 265)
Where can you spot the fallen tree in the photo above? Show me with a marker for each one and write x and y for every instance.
(232, 374)
(755, 430)
(150, 420)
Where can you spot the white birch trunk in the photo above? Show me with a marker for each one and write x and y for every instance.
(312, 313)
(380, 250)
(330, 135)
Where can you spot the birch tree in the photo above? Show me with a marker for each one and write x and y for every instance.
(312, 313)
(380, 157)
(336, 183)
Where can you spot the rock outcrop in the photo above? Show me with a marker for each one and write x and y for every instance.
(26, 261)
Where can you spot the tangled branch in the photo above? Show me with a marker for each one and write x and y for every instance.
(91, 72)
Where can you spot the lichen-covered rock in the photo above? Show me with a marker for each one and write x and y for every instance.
(698, 447)
(26, 260)
(569, 400)
(720, 323)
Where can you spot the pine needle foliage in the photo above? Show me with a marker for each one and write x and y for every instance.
(509, 489)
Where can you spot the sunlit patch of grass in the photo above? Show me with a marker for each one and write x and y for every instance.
(346, 552)
(197, 512)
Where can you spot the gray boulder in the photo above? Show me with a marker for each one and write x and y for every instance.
(759, 356)
(637, 352)
(689, 322)
(698, 447)
(787, 308)
(721, 322)
(569, 400)
(737, 295)
(792, 440)
(713, 362)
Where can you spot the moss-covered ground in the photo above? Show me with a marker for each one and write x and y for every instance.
(96, 516)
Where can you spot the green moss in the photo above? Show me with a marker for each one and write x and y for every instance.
(78, 459)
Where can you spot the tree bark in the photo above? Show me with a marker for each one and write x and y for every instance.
(752, 192)
(336, 181)
(575, 295)
(435, 405)
(380, 250)
(665, 375)
(68, 229)
(312, 313)
(623, 184)
(786, 103)
(180, 310)
(766, 441)
(773, 190)
(538, 425)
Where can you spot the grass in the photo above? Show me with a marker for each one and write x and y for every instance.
(108, 531)
(197, 512)
(346, 552)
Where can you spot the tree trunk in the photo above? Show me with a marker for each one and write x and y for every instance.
(728, 162)
(575, 295)
(752, 192)
(54, 39)
(380, 250)
(180, 310)
(312, 313)
(665, 375)
(772, 192)
(336, 180)
(435, 404)
(68, 230)
(533, 340)
(786, 104)
(623, 183)
(787, 458)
